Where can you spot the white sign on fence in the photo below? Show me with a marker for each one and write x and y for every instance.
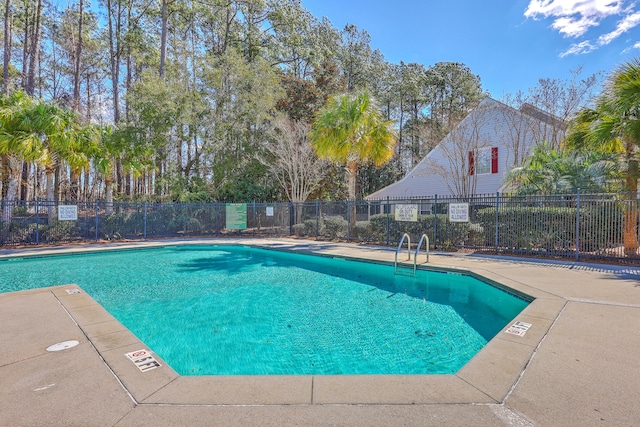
(67, 212)
(458, 212)
(269, 210)
(408, 213)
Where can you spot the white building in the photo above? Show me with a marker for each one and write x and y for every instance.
(476, 156)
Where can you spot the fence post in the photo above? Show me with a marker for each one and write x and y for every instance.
(578, 227)
(290, 218)
(348, 220)
(435, 222)
(317, 217)
(184, 220)
(96, 220)
(37, 223)
(144, 233)
(388, 212)
(215, 212)
(254, 218)
(497, 205)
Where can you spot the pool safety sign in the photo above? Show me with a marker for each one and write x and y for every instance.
(67, 212)
(407, 213)
(143, 360)
(236, 214)
(458, 212)
(518, 328)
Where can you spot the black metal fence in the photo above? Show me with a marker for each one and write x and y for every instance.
(575, 226)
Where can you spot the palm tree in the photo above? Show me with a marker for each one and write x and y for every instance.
(39, 131)
(15, 144)
(351, 130)
(615, 122)
(60, 138)
(551, 171)
(113, 146)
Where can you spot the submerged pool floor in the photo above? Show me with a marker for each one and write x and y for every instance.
(232, 310)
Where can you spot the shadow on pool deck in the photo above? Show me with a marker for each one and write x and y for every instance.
(576, 366)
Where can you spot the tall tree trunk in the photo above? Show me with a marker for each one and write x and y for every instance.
(114, 56)
(25, 46)
(12, 165)
(34, 50)
(8, 44)
(129, 66)
(163, 37)
(4, 175)
(117, 179)
(74, 185)
(85, 185)
(108, 181)
(78, 59)
(631, 214)
(24, 181)
(50, 171)
(352, 173)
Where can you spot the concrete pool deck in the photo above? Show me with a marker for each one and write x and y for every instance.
(577, 365)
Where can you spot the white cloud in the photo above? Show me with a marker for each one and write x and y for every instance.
(574, 17)
(627, 23)
(579, 49)
(636, 45)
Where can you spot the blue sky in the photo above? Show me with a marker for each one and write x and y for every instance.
(510, 44)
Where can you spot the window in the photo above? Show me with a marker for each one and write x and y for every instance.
(483, 161)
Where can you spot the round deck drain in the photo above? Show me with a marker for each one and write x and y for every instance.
(63, 345)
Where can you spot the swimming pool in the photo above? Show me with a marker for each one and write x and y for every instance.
(232, 310)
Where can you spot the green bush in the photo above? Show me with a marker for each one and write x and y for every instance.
(363, 231)
(58, 231)
(20, 211)
(299, 230)
(552, 228)
(18, 232)
(335, 227)
(308, 228)
(165, 221)
(448, 234)
(194, 226)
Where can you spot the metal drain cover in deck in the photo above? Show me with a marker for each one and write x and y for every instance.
(63, 345)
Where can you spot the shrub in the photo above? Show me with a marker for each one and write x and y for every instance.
(299, 230)
(58, 231)
(194, 226)
(335, 227)
(552, 228)
(363, 230)
(448, 234)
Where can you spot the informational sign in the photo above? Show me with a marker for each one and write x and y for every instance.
(458, 212)
(143, 360)
(269, 210)
(236, 216)
(407, 213)
(518, 328)
(67, 212)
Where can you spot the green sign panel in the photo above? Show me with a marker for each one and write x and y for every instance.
(236, 216)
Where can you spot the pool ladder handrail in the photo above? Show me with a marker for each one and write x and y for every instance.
(395, 269)
(425, 239)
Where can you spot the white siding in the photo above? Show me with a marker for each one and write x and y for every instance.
(444, 171)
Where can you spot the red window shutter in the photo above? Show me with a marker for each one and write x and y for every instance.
(472, 166)
(494, 160)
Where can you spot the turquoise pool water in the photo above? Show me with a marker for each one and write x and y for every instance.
(234, 310)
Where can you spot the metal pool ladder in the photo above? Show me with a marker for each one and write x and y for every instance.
(424, 239)
(395, 269)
